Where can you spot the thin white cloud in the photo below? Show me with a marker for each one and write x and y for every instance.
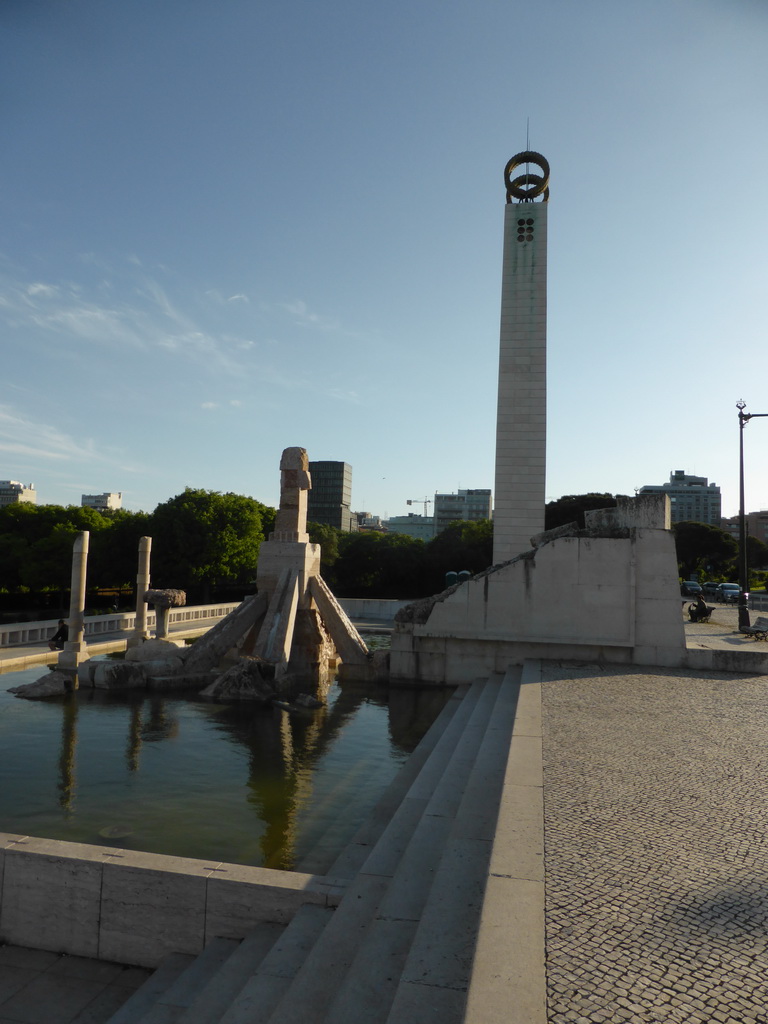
(40, 439)
(238, 298)
(338, 395)
(152, 321)
(46, 290)
(209, 405)
(302, 316)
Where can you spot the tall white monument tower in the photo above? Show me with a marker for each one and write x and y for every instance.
(521, 423)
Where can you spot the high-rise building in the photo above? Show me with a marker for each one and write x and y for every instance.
(12, 493)
(522, 397)
(470, 505)
(691, 498)
(103, 502)
(330, 499)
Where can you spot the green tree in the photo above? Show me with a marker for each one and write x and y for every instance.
(48, 561)
(701, 547)
(13, 555)
(462, 546)
(205, 537)
(757, 553)
(328, 539)
(571, 508)
(372, 564)
(113, 555)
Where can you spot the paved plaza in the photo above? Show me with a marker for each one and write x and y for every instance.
(656, 832)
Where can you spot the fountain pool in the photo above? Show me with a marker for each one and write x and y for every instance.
(170, 773)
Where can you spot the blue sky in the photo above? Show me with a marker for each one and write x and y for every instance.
(232, 227)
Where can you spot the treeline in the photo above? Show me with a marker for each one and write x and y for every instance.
(200, 539)
(392, 565)
(203, 541)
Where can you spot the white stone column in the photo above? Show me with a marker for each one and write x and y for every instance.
(140, 631)
(74, 648)
(521, 414)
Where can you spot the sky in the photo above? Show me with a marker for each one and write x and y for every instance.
(229, 228)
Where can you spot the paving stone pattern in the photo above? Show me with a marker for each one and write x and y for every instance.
(656, 828)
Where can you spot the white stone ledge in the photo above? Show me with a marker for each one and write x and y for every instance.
(135, 908)
(96, 625)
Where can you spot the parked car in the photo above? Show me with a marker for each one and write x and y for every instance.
(710, 588)
(690, 588)
(728, 593)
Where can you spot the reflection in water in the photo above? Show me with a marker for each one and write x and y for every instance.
(133, 748)
(284, 748)
(67, 755)
(159, 725)
(241, 783)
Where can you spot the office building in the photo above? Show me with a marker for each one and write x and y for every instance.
(330, 499)
(412, 525)
(103, 502)
(13, 493)
(469, 505)
(755, 523)
(692, 498)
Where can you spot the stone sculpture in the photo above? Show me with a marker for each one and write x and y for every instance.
(163, 601)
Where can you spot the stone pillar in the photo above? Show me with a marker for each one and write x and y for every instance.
(140, 631)
(521, 416)
(74, 649)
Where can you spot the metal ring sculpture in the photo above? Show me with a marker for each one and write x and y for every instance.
(526, 187)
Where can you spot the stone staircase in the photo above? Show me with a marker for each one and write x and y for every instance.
(400, 946)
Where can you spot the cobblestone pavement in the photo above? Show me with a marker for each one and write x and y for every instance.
(656, 829)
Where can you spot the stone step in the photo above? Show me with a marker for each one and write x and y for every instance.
(141, 1001)
(266, 986)
(179, 996)
(437, 970)
(232, 976)
(366, 993)
(509, 967)
(352, 857)
(352, 937)
(392, 840)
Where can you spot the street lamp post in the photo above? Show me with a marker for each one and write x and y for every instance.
(744, 418)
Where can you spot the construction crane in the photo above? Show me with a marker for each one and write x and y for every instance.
(420, 501)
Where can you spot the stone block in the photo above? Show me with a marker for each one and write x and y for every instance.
(239, 897)
(51, 896)
(509, 976)
(151, 907)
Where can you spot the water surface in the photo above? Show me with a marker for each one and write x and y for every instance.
(170, 773)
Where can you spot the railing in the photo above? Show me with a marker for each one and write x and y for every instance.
(14, 633)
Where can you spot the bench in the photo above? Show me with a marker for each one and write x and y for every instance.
(759, 631)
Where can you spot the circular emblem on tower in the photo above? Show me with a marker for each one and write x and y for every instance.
(526, 187)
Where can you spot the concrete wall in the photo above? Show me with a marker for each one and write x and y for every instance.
(135, 908)
(609, 593)
(371, 609)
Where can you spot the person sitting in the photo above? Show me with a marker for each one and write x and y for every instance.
(699, 610)
(59, 638)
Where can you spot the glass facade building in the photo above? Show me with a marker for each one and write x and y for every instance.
(330, 499)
